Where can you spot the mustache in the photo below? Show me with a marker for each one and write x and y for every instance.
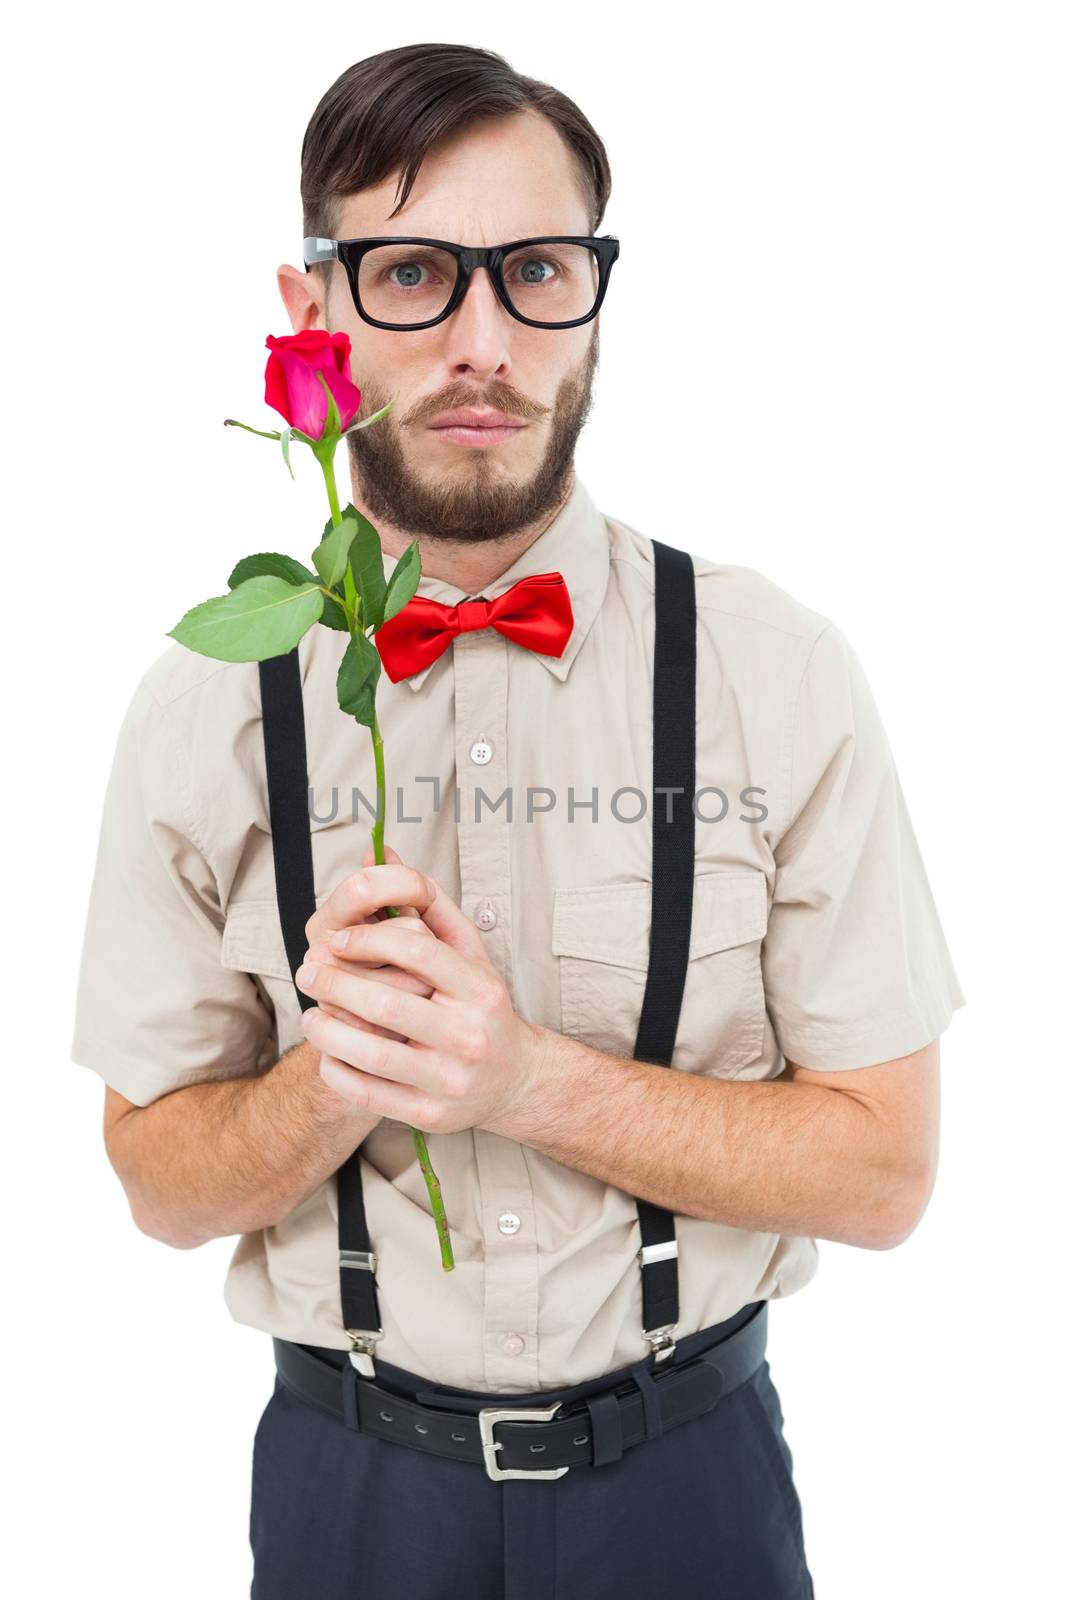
(506, 401)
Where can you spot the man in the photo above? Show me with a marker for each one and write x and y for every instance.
(655, 1056)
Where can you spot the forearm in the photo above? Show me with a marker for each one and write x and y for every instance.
(231, 1157)
(774, 1156)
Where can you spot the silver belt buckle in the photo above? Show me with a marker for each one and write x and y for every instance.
(489, 1416)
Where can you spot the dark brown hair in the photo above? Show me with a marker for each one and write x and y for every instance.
(383, 114)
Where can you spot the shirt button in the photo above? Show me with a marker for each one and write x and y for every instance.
(513, 1344)
(484, 915)
(508, 1222)
(481, 751)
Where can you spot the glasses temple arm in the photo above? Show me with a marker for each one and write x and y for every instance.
(319, 250)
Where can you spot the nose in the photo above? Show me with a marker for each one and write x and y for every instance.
(478, 333)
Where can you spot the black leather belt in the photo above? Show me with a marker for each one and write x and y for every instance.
(530, 1441)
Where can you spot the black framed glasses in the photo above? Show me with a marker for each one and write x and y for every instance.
(555, 281)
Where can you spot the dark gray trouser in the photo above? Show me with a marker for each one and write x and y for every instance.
(707, 1511)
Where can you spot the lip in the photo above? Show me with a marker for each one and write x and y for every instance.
(479, 437)
(469, 417)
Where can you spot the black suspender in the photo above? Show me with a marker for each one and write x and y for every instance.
(673, 865)
(285, 749)
(287, 790)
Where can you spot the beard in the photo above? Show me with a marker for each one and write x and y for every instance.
(478, 505)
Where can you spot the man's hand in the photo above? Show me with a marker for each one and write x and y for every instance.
(468, 1058)
(357, 901)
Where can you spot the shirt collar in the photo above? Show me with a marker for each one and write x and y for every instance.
(575, 543)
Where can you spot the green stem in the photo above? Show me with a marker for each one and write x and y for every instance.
(432, 1182)
(325, 456)
(437, 1204)
(378, 831)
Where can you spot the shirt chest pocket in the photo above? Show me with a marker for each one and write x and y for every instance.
(252, 942)
(600, 936)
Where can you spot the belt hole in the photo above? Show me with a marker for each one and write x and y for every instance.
(421, 1428)
(460, 1438)
(583, 1438)
(386, 1416)
(534, 1448)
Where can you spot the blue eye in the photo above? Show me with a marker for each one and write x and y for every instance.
(536, 269)
(406, 271)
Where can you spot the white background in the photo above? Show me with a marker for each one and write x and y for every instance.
(862, 207)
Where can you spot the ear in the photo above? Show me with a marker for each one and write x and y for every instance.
(303, 296)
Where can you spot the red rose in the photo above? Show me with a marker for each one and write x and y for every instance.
(295, 391)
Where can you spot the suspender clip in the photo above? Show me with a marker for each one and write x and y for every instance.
(661, 1342)
(660, 1338)
(361, 1354)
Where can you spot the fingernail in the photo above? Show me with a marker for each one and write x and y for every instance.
(339, 940)
(306, 975)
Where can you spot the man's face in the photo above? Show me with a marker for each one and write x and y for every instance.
(509, 178)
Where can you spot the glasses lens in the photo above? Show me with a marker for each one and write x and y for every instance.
(406, 282)
(552, 282)
(409, 283)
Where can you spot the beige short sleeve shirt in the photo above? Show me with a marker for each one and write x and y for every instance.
(523, 783)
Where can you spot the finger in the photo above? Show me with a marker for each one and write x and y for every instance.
(363, 895)
(357, 897)
(382, 1058)
(391, 859)
(352, 1021)
(443, 1029)
(444, 917)
(414, 925)
(355, 1021)
(376, 1095)
(322, 955)
(453, 974)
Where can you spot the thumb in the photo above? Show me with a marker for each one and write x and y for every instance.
(445, 919)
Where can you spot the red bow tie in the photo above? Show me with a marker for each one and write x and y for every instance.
(535, 612)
